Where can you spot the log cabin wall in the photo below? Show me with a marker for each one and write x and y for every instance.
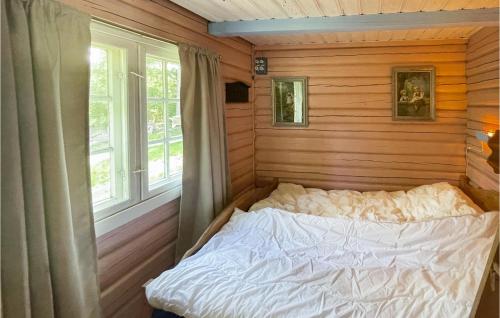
(483, 103)
(130, 255)
(352, 141)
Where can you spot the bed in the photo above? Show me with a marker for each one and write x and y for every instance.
(312, 253)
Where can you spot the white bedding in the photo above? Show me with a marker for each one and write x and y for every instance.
(421, 203)
(273, 263)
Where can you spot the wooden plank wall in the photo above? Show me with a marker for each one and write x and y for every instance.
(483, 104)
(352, 141)
(132, 254)
(135, 252)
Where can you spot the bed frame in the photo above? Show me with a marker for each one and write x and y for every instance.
(487, 200)
(243, 202)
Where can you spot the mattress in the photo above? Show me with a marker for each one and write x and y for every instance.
(276, 263)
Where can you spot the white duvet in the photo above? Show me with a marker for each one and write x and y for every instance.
(421, 203)
(273, 263)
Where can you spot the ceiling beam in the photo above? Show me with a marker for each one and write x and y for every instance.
(386, 21)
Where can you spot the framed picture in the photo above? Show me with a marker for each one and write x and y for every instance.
(413, 93)
(289, 96)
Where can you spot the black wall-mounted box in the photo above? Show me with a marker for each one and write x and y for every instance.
(236, 92)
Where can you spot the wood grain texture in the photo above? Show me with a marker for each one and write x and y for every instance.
(488, 200)
(352, 141)
(371, 36)
(132, 254)
(216, 10)
(483, 104)
(142, 249)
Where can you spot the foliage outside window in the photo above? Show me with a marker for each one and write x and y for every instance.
(135, 134)
(107, 126)
(163, 120)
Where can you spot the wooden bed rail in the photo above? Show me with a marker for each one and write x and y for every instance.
(488, 201)
(485, 199)
(244, 201)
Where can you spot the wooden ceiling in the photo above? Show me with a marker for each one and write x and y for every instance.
(236, 10)
(366, 36)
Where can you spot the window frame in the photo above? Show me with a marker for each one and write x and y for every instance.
(146, 191)
(102, 37)
(109, 217)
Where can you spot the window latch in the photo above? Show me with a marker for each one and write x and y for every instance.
(138, 171)
(137, 75)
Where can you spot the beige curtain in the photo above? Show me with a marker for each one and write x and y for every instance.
(205, 179)
(48, 251)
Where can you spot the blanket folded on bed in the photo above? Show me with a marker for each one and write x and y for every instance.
(273, 263)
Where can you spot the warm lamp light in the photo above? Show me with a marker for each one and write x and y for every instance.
(483, 136)
(493, 143)
(491, 139)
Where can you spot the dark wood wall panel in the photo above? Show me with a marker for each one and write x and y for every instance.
(483, 104)
(352, 141)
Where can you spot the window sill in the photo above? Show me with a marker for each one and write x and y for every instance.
(125, 216)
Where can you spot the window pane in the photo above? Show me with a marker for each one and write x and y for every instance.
(175, 157)
(99, 125)
(108, 126)
(99, 71)
(174, 119)
(156, 121)
(164, 133)
(100, 176)
(173, 80)
(156, 162)
(156, 142)
(154, 78)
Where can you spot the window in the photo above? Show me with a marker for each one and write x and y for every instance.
(135, 133)
(164, 133)
(108, 126)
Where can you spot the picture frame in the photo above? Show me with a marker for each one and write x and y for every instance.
(289, 101)
(413, 93)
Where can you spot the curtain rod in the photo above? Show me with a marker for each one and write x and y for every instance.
(140, 33)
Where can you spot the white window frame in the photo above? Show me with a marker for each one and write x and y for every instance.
(139, 201)
(99, 37)
(173, 182)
